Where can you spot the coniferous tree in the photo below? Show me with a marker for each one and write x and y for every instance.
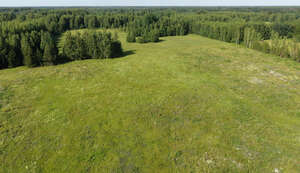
(50, 54)
(69, 47)
(92, 22)
(115, 36)
(297, 33)
(116, 49)
(91, 43)
(63, 24)
(81, 46)
(16, 54)
(154, 36)
(52, 27)
(131, 37)
(30, 45)
(12, 58)
(106, 45)
(27, 50)
(141, 40)
(49, 49)
(3, 52)
(78, 22)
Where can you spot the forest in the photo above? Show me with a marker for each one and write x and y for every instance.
(30, 36)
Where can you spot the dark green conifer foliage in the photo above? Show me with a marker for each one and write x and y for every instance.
(297, 32)
(92, 22)
(50, 52)
(142, 25)
(131, 37)
(116, 49)
(14, 56)
(30, 44)
(80, 46)
(63, 24)
(3, 52)
(154, 36)
(91, 44)
(69, 46)
(78, 22)
(27, 50)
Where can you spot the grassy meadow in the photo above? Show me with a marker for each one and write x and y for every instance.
(185, 104)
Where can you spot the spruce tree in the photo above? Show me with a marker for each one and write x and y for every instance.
(154, 36)
(69, 46)
(78, 22)
(30, 45)
(49, 49)
(297, 33)
(12, 60)
(63, 24)
(3, 52)
(27, 51)
(131, 37)
(80, 47)
(116, 49)
(50, 54)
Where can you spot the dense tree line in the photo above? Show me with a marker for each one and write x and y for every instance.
(29, 36)
(30, 49)
(150, 27)
(34, 42)
(90, 44)
(39, 48)
(275, 39)
(231, 32)
(228, 32)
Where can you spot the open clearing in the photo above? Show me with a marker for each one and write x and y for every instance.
(185, 104)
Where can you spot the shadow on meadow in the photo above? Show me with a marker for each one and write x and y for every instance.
(64, 60)
(127, 53)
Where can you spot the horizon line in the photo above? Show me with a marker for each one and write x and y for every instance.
(153, 6)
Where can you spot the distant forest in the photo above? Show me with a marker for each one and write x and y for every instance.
(29, 36)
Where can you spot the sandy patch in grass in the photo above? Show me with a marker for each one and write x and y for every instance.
(278, 75)
(255, 80)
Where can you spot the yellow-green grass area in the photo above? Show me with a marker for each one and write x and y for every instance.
(185, 104)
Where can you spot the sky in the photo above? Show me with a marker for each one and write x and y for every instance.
(18, 3)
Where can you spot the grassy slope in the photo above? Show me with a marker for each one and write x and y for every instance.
(186, 104)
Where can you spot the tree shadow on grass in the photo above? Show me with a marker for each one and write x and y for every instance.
(64, 60)
(160, 41)
(129, 52)
(125, 53)
(151, 42)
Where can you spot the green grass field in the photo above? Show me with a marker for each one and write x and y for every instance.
(185, 104)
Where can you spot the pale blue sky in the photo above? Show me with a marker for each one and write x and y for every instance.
(149, 2)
